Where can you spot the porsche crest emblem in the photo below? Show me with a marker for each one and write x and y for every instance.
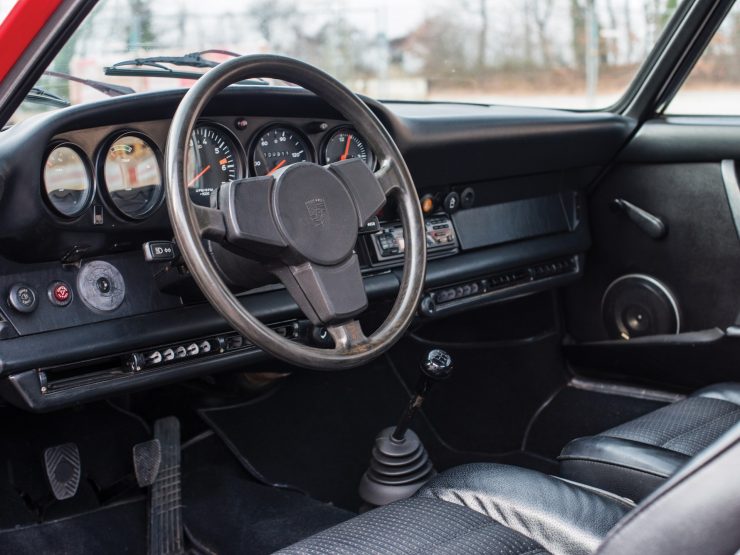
(317, 211)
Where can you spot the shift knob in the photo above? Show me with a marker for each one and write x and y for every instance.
(437, 365)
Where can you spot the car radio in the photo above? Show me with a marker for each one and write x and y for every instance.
(388, 243)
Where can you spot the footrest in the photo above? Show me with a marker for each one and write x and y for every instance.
(165, 494)
(63, 469)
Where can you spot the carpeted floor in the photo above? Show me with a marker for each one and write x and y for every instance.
(316, 432)
(224, 510)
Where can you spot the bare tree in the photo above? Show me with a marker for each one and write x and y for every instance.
(541, 11)
(483, 33)
(578, 26)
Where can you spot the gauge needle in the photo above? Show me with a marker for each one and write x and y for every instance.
(276, 168)
(346, 148)
(197, 177)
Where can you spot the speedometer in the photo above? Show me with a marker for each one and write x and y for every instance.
(213, 158)
(278, 147)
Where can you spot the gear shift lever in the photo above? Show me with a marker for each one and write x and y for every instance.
(436, 366)
(400, 464)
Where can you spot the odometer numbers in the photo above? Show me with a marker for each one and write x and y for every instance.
(278, 147)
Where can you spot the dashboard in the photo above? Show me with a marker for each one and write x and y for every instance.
(94, 299)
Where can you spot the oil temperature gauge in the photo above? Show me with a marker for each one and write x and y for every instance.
(345, 143)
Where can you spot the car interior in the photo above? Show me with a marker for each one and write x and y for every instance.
(247, 318)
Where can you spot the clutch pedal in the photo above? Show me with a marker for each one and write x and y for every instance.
(63, 470)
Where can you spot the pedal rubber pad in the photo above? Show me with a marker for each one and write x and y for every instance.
(147, 460)
(166, 535)
(63, 469)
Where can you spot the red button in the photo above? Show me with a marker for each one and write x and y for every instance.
(61, 292)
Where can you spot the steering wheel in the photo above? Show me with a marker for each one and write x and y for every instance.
(301, 222)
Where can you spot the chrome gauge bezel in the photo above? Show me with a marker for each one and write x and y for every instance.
(91, 183)
(105, 193)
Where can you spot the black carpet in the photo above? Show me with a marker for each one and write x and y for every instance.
(114, 530)
(224, 511)
(104, 436)
(316, 432)
(229, 513)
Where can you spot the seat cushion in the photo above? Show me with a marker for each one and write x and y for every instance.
(480, 509)
(418, 526)
(635, 458)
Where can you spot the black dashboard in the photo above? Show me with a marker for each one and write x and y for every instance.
(87, 311)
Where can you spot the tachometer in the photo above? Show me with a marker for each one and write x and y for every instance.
(278, 147)
(133, 180)
(213, 159)
(67, 180)
(345, 143)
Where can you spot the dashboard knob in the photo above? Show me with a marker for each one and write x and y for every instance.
(451, 203)
(23, 298)
(427, 307)
(135, 362)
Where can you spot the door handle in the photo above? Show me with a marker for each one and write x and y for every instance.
(653, 225)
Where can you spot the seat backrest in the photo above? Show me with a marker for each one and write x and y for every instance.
(697, 511)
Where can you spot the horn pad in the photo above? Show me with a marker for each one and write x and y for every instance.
(315, 213)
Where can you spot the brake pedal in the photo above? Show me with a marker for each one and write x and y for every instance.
(63, 469)
(165, 493)
(147, 460)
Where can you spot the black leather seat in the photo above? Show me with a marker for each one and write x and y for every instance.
(633, 459)
(500, 510)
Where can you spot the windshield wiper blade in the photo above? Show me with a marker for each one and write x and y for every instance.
(194, 59)
(43, 96)
(108, 89)
(154, 66)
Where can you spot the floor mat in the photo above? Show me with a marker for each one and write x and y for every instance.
(317, 430)
(114, 530)
(224, 510)
(104, 436)
(229, 513)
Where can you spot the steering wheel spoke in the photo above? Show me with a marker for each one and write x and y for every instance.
(325, 294)
(367, 192)
(246, 208)
(210, 223)
(348, 336)
(387, 176)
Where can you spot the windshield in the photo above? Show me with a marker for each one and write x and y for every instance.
(579, 54)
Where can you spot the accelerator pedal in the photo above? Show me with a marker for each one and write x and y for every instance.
(165, 493)
(63, 470)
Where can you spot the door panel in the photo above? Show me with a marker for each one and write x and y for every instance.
(678, 178)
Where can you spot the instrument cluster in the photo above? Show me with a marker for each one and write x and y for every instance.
(126, 170)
